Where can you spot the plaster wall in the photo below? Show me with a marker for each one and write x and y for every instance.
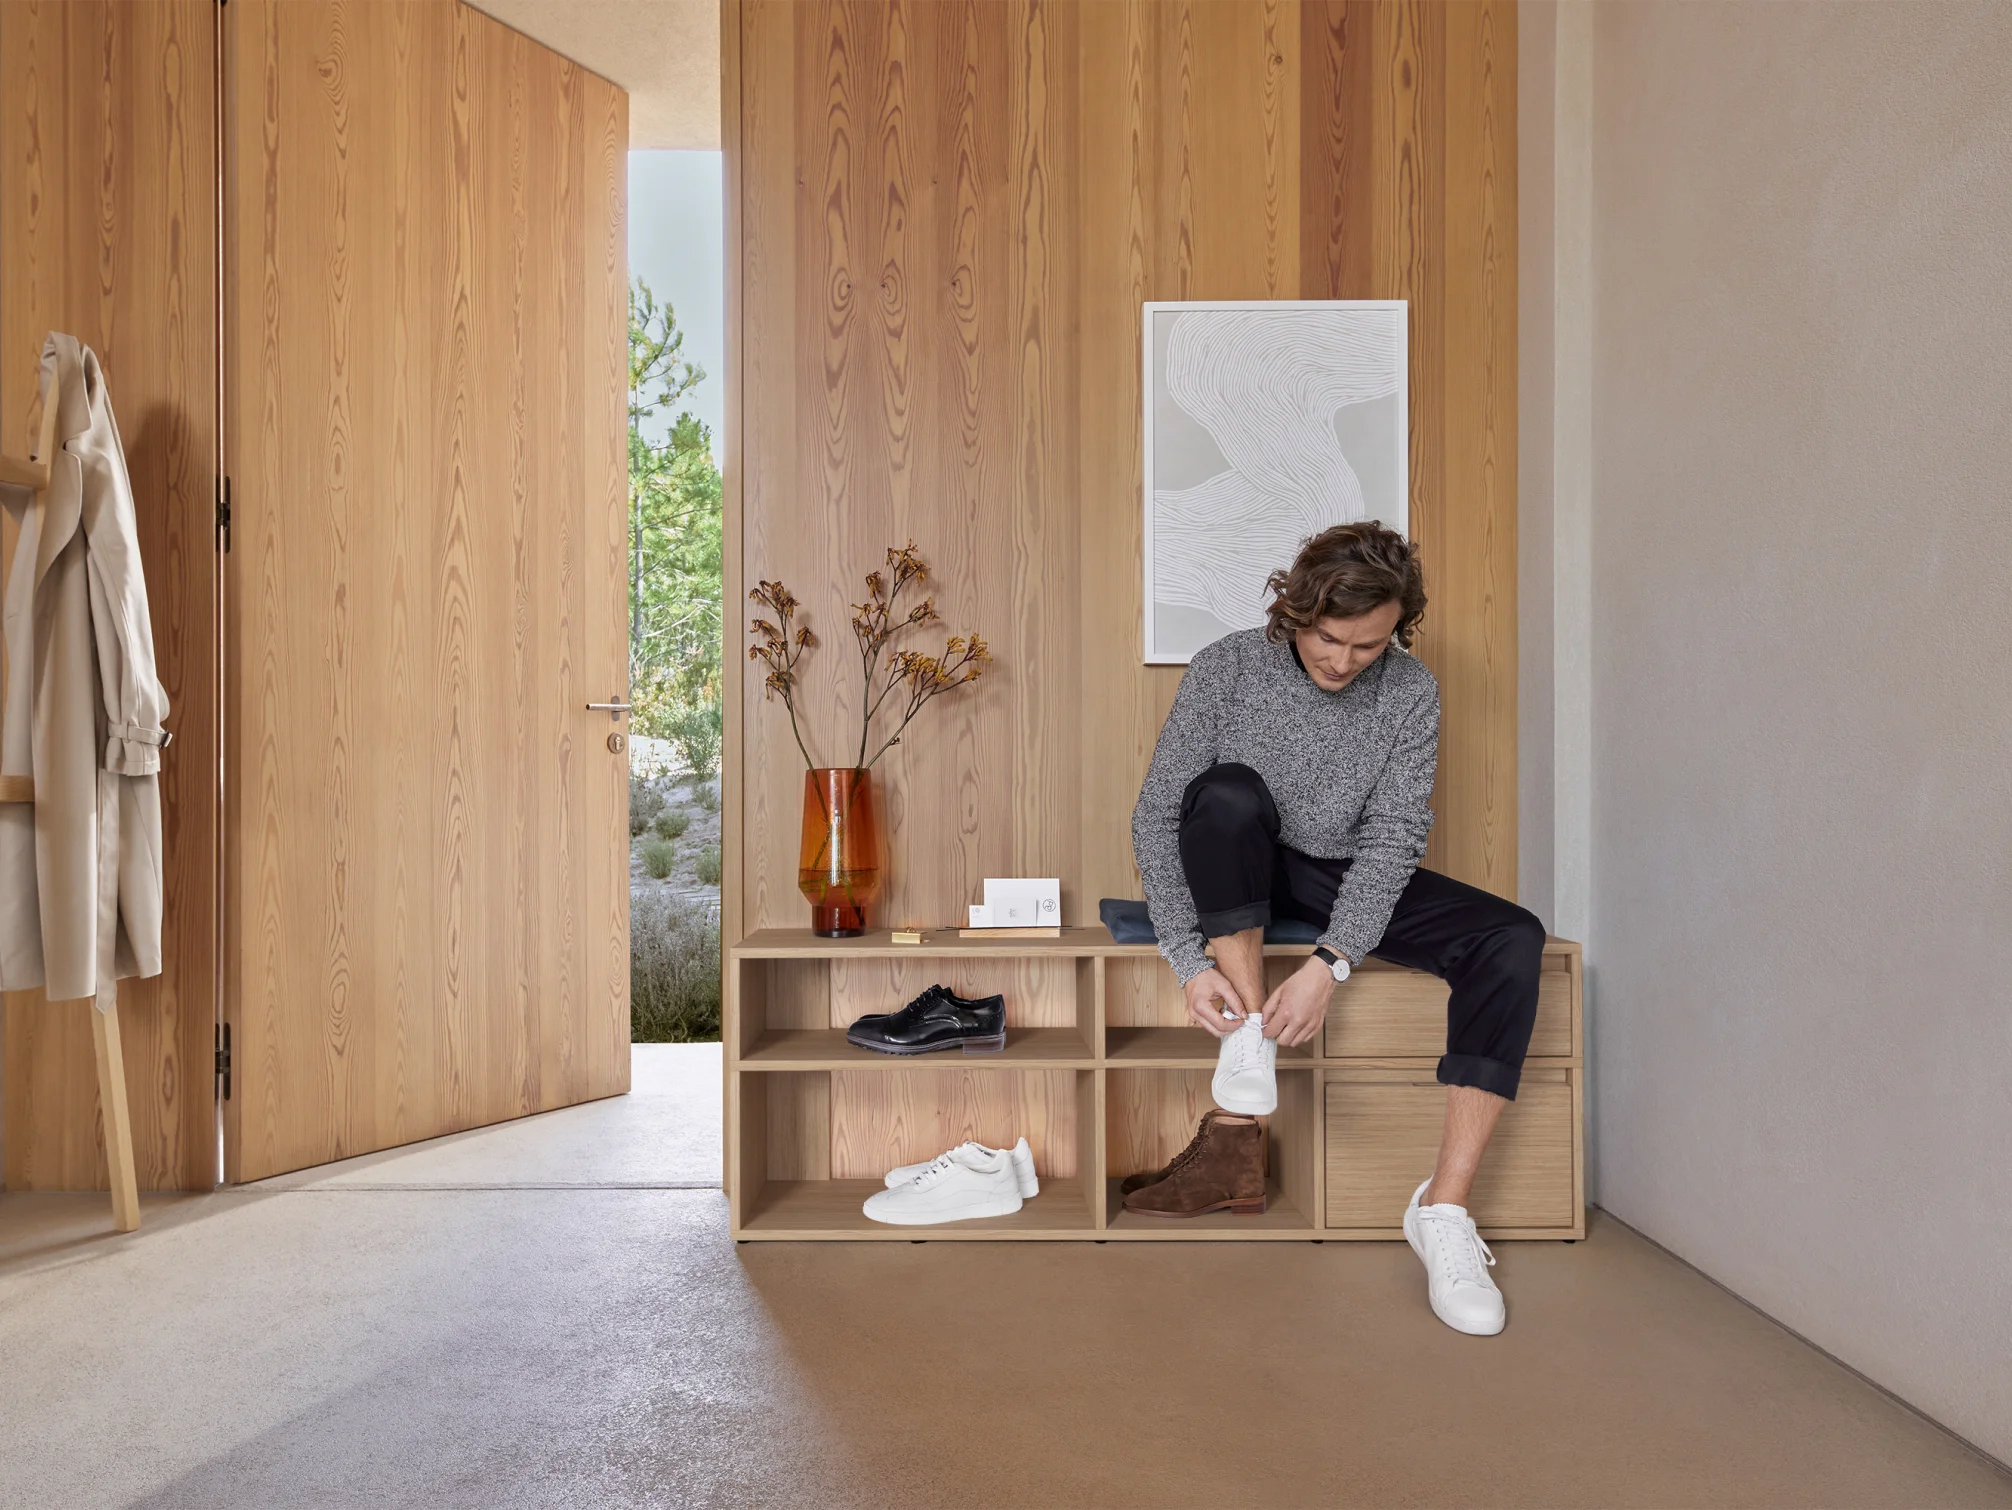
(1801, 673)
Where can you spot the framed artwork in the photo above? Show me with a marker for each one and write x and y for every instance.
(1266, 421)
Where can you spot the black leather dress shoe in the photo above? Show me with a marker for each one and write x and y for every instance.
(937, 1019)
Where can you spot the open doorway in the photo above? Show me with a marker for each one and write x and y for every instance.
(677, 340)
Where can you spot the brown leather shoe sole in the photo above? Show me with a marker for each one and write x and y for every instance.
(1250, 1206)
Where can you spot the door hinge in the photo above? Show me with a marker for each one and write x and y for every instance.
(224, 1059)
(224, 513)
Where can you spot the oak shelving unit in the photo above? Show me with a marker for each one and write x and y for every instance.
(1102, 1076)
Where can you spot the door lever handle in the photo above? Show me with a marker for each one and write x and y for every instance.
(614, 709)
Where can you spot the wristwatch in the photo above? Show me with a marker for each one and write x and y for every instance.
(1334, 962)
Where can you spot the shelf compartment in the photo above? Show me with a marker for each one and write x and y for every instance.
(830, 1209)
(1177, 1047)
(827, 1049)
(1282, 1218)
(774, 1001)
(1151, 1113)
(939, 943)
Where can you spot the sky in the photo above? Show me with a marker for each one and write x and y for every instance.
(677, 245)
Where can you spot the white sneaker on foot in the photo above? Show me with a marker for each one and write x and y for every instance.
(1456, 1267)
(1246, 1079)
(969, 1181)
(1023, 1167)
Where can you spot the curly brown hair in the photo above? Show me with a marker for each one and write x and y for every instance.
(1344, 573)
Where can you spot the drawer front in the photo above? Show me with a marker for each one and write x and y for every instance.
(1382, 1135)
(1401, 1014)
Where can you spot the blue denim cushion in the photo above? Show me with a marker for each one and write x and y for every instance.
(1129, 923)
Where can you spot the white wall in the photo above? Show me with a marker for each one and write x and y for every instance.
(1801, 681)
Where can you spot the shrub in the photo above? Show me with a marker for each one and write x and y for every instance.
(671, 822)
(707, 796)
(697, 734)
(674, 970)
(658, 856)
(646, 800)
(708, 865)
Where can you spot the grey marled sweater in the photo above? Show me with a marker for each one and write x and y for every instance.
(1351, 772)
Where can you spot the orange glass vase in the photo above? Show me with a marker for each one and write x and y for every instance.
(838, 864)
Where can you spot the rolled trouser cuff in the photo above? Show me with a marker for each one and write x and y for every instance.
(1217, 925)
(1483, 1074)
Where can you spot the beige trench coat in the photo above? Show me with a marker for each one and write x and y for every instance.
(80, 869)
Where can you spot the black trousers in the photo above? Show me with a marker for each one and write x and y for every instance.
(1488, 950)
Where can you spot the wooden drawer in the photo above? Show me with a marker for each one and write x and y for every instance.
(1382, 1012)
(1382, 1132)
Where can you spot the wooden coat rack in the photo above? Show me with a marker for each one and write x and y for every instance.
(118, 1122)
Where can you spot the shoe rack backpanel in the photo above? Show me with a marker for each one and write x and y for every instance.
(1103, 1076)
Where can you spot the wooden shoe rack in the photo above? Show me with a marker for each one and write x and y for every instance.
(1103, 1077)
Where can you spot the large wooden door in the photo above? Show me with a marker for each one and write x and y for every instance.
(425, 828)
(108, 231)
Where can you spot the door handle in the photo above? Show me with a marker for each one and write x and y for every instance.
(614, 709)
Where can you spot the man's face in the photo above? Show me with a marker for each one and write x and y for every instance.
(1336, 651)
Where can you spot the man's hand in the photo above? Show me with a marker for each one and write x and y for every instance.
(1204, 991)
(1294, 1012)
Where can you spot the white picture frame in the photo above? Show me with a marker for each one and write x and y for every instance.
(1234, 477)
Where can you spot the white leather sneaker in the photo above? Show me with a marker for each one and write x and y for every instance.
(1023, 1168)
(1246, 1079)
(969, 1181)
(1456, 1267)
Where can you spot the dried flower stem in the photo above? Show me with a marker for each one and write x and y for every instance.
(780, 649)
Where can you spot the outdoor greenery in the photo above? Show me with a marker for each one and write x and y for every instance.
(646, 802)
(674, 970)
(674, 676)
(659, 855)
(707, 865)
(674, 543)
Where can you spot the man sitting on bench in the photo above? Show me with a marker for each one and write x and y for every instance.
(1291, 781)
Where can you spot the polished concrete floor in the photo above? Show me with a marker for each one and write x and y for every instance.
(540, 1315)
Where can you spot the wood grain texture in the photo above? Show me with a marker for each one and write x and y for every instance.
(880, 1119)
(1383, 1131)
(108, 231)
(1402, 1014)
(1351, 1126)
(1038, 992)
(427, 848)
(947, 217)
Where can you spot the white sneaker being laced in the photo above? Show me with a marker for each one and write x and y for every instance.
(969, 1181)
(1456, 1263)
(1246, 1078)
(1020, 1153)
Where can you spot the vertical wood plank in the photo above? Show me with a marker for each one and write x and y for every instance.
(108, 215)
(429, 883)
(948, 217)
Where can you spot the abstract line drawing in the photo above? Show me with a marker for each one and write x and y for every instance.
(1265, 422)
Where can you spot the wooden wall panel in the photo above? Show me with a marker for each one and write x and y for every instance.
(947, 217)
(428, 879)
(108, 230)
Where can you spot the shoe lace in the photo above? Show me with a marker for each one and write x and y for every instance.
(939, 1166)
(1247, 1047)
(1193, 1151)
(933, 993)
(1462, 1253)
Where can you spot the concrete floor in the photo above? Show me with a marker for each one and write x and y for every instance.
(536, 1315)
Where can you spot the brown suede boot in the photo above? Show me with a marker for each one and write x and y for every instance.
(1221, 1170)
(1140, 1181)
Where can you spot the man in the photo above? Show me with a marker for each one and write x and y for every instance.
(1291, 781)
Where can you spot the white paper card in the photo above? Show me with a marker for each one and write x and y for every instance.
(1021, 902)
